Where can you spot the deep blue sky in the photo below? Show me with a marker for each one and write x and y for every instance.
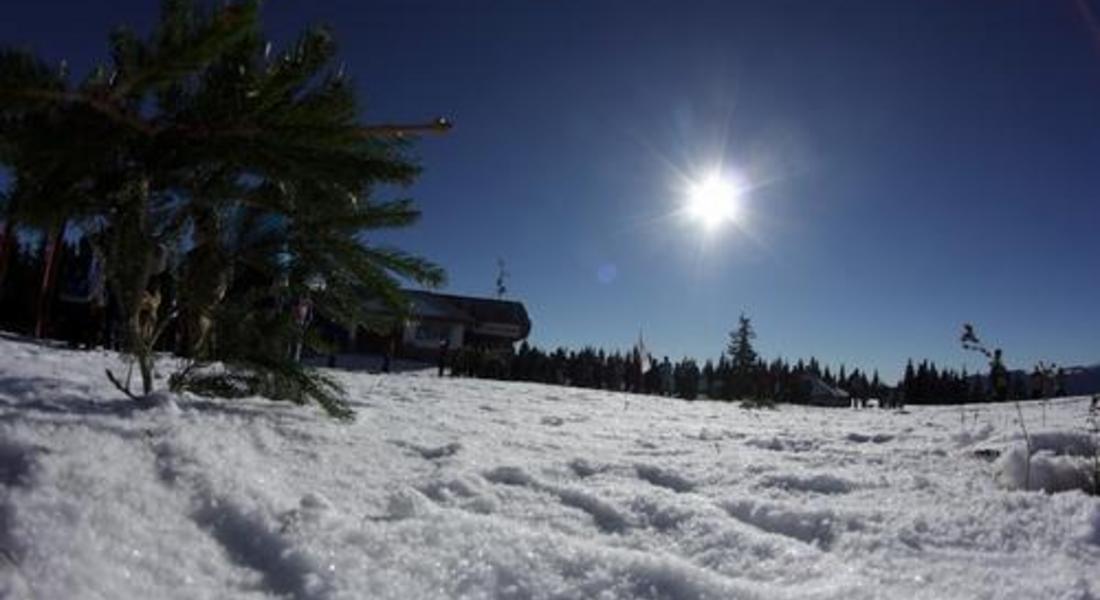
(919, 164)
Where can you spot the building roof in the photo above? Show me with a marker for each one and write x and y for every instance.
(484, 316)
(426, 305)
(820, 388)
(823, 393)
(470, 309)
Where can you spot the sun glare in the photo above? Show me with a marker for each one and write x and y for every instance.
(713, 202)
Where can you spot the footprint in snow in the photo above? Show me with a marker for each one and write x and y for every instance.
(607, 517)
(664, 478)
(430, 452)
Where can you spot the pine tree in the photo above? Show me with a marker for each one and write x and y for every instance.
(708, 379)
(260, 159)
(909, 383)
(743, 359)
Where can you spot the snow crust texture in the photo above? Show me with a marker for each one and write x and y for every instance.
(476, 489)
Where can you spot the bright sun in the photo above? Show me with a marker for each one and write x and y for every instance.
(713, 202)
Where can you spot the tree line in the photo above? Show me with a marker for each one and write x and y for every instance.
(738, 374)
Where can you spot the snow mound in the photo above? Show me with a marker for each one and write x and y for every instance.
(607, 517)
(1044, 470)
(782, 445)
(161, 400)
(1071, 443)
(816, 527)
(583, 468)
(822, 483)
(969, 437)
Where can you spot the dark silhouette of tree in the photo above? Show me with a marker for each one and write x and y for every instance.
(743, 360)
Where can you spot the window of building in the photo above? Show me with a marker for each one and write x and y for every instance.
(432, 332)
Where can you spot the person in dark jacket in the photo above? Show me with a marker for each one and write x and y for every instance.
(444, 346)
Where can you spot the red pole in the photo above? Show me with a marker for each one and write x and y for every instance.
(49, 276)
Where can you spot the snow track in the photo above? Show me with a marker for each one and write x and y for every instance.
(475, 489)
(248, 537)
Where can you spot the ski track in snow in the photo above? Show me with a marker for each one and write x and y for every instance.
(449, 488)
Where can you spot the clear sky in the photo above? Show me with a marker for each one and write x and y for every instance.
(913, 165)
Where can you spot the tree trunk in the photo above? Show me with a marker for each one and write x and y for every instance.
(130, 266)
(141, 351)
(206, 280)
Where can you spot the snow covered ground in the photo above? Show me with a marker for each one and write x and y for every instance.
(460, 488)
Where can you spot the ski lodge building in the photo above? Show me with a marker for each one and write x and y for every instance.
(461, 321)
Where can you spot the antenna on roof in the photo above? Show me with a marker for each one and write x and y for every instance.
(502, 279)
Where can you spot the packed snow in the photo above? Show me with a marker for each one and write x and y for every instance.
(455, 488)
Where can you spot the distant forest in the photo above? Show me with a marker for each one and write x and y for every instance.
(778, 380)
